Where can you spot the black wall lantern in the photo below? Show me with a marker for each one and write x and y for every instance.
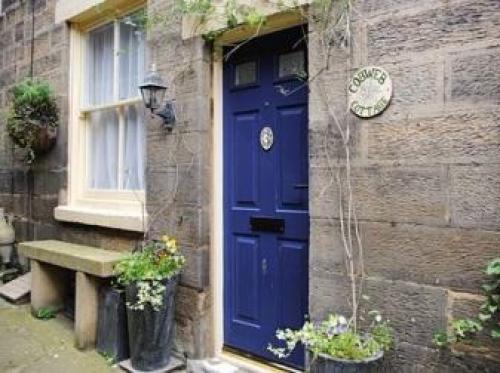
(153, 91)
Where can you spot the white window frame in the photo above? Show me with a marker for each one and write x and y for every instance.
(121, 209)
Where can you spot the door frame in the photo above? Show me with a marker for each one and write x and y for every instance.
(217, 193)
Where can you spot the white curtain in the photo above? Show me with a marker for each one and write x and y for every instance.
(104, 125)
(100, 66)
(103, 146)
(133, 177)
(132, 60)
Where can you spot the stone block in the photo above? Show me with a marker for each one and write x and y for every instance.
(326, 252)
(48, 286)
(393, 194)
(91, 260)
(445, 257)
(465, 137)
(86, 310)
(415, 311)
(49, 182)
(48, 62)
(476, 78)
(376, 7)
(411, 358)
(180, 184)
(185, 222)
(196, 272)
(416, 87)
(475, 196)
(451, 25)
(166, 150)
(464, 305)
(43, 208)
(328, 293)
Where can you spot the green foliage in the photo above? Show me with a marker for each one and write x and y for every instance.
(46, 313)
(465, 329)
(33, 108)
(335, 337)
(110, 358)
(156, 261)
(196, 7)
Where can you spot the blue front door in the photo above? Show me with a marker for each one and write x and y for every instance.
(266, 214)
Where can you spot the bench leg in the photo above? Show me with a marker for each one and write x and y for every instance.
(48, 286)
(86, 308)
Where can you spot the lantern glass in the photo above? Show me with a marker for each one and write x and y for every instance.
(153, 90)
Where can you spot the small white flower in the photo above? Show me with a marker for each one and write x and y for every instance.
(378, 318)
(342, 320)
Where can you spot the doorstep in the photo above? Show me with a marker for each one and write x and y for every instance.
(229, 362)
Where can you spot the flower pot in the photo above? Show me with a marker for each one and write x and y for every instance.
(45, 140)
(112, 332)
(151, 331)
(328, 364)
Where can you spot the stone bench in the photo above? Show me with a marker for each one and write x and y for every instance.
(48, 284)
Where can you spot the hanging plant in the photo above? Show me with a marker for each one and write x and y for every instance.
(33, 117)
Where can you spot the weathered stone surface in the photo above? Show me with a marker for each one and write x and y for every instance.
(475, 197)
(326, 253)
(168, 150)
(393, 194)
(468, 136)
(445, 257)
(196, 272)
(91, 260)
(415, 311)
(475, 78)
(416, 86)
(447, 26)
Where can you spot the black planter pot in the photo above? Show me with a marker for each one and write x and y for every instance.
(327, 364)
(151, 332)
(112, 332)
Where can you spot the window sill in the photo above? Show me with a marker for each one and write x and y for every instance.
(129, 221)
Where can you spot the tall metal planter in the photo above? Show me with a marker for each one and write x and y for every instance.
(112, 334)
(151, 332)
(327, 364)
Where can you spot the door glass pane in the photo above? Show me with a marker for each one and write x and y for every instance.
(103, 150)
(132, 56)
(134, 144)
(100, 66)
(292, 64)
(245, 73)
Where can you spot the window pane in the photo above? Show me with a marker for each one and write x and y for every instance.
(100, 66)
(292, 64)
(134, 155)
(245, 73)
(103, 150)
(132, 56)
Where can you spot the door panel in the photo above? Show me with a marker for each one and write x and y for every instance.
(265, 263)
(244, 154)
(247, 281)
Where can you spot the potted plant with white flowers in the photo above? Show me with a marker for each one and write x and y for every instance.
(150, 276)
(334, 346)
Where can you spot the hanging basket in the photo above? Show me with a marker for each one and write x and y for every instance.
(33, 118)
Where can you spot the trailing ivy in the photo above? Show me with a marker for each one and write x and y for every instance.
(33, 115)
(465, 329)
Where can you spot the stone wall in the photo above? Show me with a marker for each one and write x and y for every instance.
(425, 173)
(177, 169)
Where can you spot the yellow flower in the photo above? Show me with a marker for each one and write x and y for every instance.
(165, 238)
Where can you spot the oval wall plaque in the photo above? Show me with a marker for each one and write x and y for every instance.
(266, 138)
(370, 91)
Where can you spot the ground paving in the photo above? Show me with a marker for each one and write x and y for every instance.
(29, 345)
